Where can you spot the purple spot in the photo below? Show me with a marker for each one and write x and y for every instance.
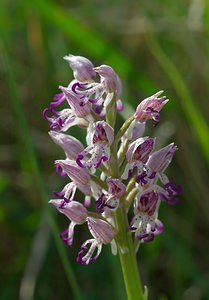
(58, 194)
(149, 238)
(103, 158)
(141, 178)
(82, 103)
(93, 100)
(152, 176)
(60, 171)
(78, 160)
(65, 200)
(80, 256)
(77, 85)
(120, 106)
(67, 240)
(130, 173)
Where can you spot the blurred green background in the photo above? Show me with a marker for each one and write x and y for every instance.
(152, 45)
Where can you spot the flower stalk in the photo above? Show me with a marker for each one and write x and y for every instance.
(128, 258)
(118, 172)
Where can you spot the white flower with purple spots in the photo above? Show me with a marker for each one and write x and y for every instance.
(99, 139)
(157, 163)
(110, 200)
(145, 223)
(150, 108)
(137, 156)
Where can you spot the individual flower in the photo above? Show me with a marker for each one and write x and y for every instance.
(99, 140)
(80, 179)
(145, 223)
(110, 200)
(103, 233)
(73, 101)
(137, 155)
(83, 69)
(74, 211)
(101, 92)
(158, 162)
(150, 108)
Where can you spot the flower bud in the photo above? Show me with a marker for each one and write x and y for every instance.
(110, 79)
(150, 108)
(82, 68)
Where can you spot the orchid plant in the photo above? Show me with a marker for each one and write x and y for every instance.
(119, 172)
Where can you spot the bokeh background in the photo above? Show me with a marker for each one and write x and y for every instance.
(152, 45)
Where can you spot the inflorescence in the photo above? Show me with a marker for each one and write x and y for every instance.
(116, 169)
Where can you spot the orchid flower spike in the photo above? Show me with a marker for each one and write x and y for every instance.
(119, 168)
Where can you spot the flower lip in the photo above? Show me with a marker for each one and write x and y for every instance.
(85, 259)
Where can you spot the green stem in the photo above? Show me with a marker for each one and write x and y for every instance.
(123, 129)
(130, 197)
(127, 257)
(125, 244)
(111, 111)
